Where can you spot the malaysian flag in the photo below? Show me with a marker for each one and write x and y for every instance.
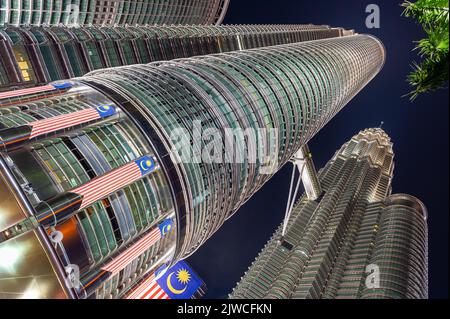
(35, 90)
(148, 289)
(178, 282)
(13, 136)
(70, 120)
(115, 180)
(17, 93)
(138, 248)
(95, 279)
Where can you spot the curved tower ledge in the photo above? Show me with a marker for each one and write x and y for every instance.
(408, 201)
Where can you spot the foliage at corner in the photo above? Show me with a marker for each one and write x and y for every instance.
(432, 72)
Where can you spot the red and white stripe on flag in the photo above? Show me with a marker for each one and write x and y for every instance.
(137, 249)
(148, 289)
(111, 182)
(63, 121)
(16, 93)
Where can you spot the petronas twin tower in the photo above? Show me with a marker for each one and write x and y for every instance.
(92, 186)
(356, 241)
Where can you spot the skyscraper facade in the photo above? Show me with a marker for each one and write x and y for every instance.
(356, 241)
(38, 55)
(90, 162)
(111, 12)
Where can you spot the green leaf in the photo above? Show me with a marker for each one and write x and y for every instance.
(432, 72)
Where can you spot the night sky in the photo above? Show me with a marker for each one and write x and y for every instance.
(419, 131)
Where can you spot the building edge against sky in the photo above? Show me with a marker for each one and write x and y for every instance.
(112, 12)
(160, 212)
(337, 246)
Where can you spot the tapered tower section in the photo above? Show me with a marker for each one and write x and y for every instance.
(355, 241)
(295, 89)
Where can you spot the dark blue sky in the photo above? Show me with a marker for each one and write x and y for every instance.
(419, 131)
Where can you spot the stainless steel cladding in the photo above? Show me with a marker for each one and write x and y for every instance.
(93, 157)
(38, 55)
(295, 89)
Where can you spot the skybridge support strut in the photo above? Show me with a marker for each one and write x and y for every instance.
(303, 163)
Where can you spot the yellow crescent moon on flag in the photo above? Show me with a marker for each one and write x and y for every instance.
(104, 108)
(146, 165)
(166, 229)
(173, 290)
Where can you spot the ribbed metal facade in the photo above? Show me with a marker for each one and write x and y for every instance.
(273, 91)
(401, 250)
(37, 55)
(111, 12)
(354, 224)
(294, 89)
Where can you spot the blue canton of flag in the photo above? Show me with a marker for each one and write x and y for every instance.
(60, 86)
(165, 226)
(146, 165)
(179, 282)
(106, 110)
